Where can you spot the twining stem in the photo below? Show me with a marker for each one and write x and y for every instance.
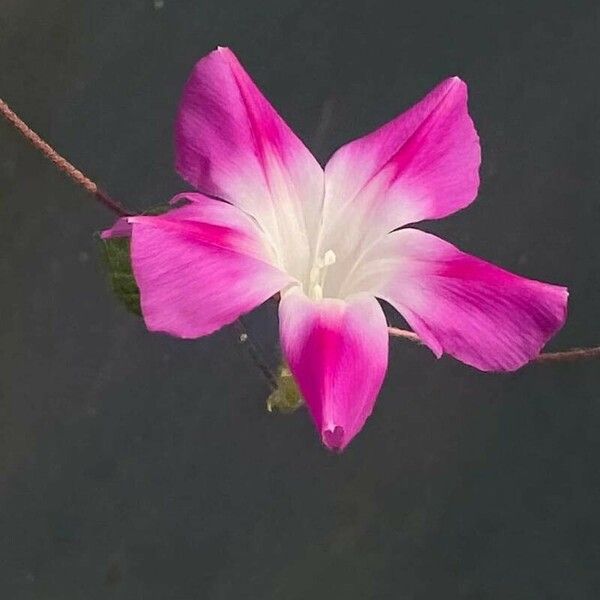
(573, 355)
(62, 163)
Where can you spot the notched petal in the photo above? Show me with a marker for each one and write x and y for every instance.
(337, 352)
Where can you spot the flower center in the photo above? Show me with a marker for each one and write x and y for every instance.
(317, 274)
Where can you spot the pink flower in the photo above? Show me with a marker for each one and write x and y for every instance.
(329, 241)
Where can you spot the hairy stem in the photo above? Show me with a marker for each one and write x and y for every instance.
(59, 161)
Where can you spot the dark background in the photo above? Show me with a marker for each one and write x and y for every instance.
(136, 466)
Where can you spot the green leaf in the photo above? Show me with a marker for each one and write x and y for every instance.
(286, 397)
(117, 258)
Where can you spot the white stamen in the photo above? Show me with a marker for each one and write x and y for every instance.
(318, 272)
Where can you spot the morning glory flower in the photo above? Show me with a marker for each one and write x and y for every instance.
(266, 218)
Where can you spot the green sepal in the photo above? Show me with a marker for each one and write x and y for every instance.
(286, 397)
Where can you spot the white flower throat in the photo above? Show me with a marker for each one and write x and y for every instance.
(317, 274)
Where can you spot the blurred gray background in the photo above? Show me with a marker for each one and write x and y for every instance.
(136, 466)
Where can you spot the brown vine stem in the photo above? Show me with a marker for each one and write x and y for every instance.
(573, 355)
(59, 161)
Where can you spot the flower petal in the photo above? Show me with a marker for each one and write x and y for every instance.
(231, 143)
(422, 165)
(200, 267)
(338, 353)
(456, 303)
